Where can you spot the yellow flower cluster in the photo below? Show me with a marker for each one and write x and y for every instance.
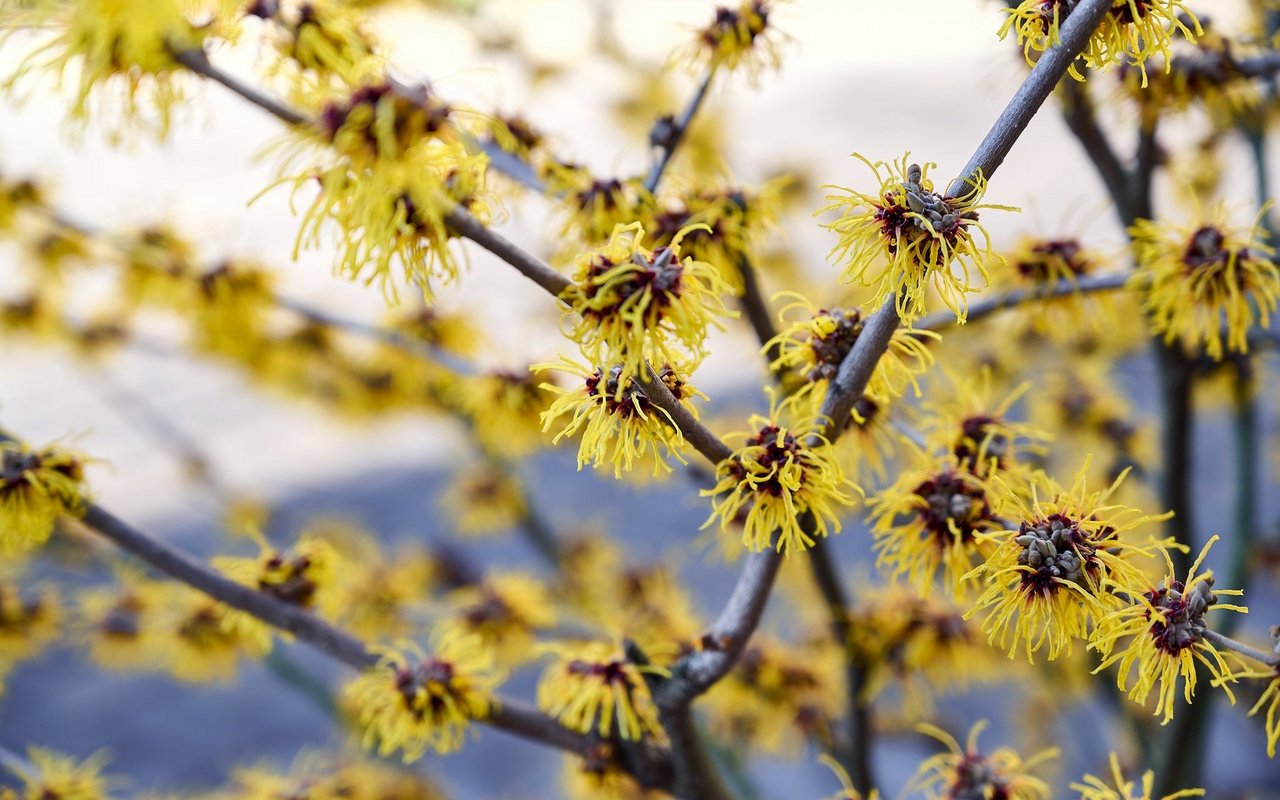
(1132, 32)
(967, 771)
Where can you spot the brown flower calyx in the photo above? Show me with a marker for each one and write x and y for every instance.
(829, 351)
(1177, 616)
(417, 679)
(1056, 549)
(954, 505)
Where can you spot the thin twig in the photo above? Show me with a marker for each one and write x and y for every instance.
(757, 312)
(1261, 656)
(990, 305)
(675, 134)
(533, 268)
(197, 61)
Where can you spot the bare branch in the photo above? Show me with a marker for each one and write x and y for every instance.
(674, 135)
(533, 268)
(198, 62)
(987, 306)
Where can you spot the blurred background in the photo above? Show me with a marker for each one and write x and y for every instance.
(926, 76)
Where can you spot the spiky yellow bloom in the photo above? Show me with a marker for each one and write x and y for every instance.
(929, 520)
(720, 226)
(1195, 278)
(1062, 569)
(1164, 628)
(1132, 32)
(483, 500)
(1095, 788)
(628, 304)
(396, 166)
(816, 343)
(781, 473)
(739, 37)
(30, 619)
(972, 422)
(1270, 700)
(906, 236)
(919, 646)
(126, 46)
(968, 772)
(412, 701)
(53, 775)
(871, 438)
(778, 694)
(619, 425)
(36, 487)
(593, 687)
(304, 575)
(504, 611)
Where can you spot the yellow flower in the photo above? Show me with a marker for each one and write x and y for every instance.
(781, 473)
(305, 575)
(1063, 568)
(1270, 699)
(1094, 788)
(870, 439)
(737, 37)
(920, 646)
(1038, 263)
(54, 775)
(1165, 630)
(126, 45)
(973, 423)
(30, 619)
(1194, 278)
(906, 236)
(617, 422)
(503, 611)
(15, 195)
(929, 520)
(847, 791)
(816, 344)
(777, 693)
(397, 165)
(1132, 32)
(320, 42)
(598, 776)
(412, 701)
(484, 500)
(503, 406)
(629, 304)
(597, 206)
(36, 487)
(968, 772)
(720, 226)
(592, 687)
(117, 623)
(204, 640)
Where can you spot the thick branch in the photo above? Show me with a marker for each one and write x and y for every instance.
(533, 268)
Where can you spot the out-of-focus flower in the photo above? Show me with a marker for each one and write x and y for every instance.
(305, 575)
(503, 611)
(36, 487)
(53, 775)
(968, 772)
(738, 38)
(1197, 277)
